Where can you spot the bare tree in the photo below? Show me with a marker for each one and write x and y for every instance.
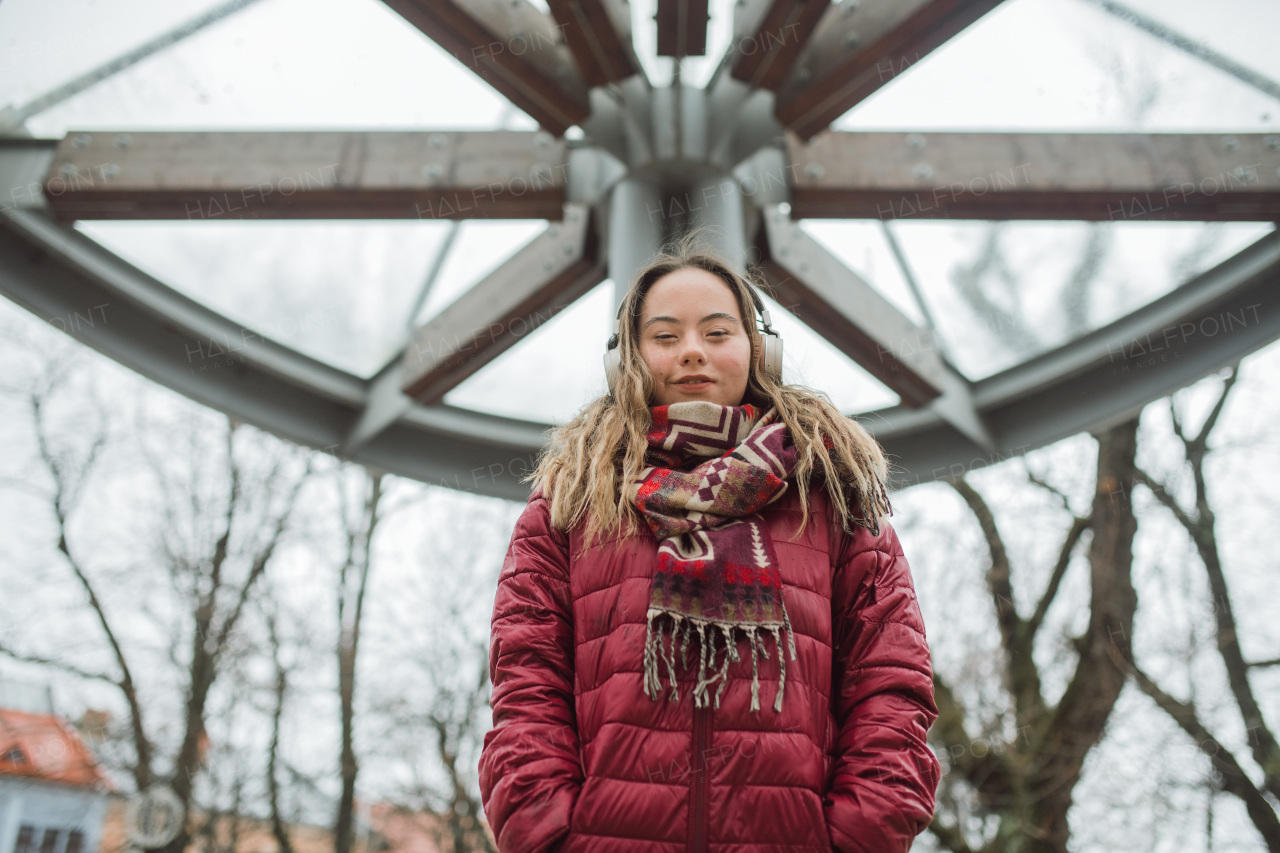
(353, 583)
(441, 635)
(278, 827)
(1027, 782)
(1200, 525)
(212, 554)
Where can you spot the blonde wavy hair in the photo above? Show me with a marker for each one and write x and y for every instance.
(582, 467)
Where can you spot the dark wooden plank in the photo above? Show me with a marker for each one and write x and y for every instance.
(1087, 176)
(124, 174)
(514, 47)
(598, 33)
(529, 288)
(838, 304)
(769, 36)
(682, 27)
(859, 47)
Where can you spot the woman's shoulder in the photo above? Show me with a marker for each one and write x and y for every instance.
(535, 518)
(842, 539)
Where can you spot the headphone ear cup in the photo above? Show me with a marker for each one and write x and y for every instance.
(773, 357)
(612, 368)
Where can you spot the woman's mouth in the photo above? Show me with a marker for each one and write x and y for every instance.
(694, 383)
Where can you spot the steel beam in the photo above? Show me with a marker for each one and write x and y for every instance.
(682, 27)
(598, 33)
(529, 288)
(1105, 376)
(223, 175)
(79, 287)
(1090, 176)
(768, 36)
(860, 46)
(514, 47)
(71, 282)
(838, 304)
(637, 217)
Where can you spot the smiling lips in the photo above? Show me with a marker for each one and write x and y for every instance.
(696, 379)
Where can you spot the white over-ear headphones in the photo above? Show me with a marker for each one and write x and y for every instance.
(771, 340)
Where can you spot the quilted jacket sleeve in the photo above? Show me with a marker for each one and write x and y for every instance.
(883, 775)
(530, 770)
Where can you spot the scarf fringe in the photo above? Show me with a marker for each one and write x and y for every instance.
(655, 648)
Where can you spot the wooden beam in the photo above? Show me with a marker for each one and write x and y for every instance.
(682, 27)
(125, 174)
(841, 306)
(598, 33)
(1088, 176)
(514, 47)
(859, 47)
(768, 36)
(547, 274)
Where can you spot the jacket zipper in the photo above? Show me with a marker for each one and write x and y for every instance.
(701, 782)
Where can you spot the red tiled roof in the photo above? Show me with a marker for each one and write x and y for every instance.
(43, 746)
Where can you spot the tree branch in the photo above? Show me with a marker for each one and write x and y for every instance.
(1202, 530)
(62, 509)
(58, 664)
(989, 773)
(1022, 677)
(1234, 779)
(1078, 526)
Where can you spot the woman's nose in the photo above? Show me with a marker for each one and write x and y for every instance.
(693, 355)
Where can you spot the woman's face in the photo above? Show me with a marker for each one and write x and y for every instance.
(693, 340)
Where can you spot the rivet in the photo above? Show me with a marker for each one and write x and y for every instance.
(1230, 143)
(123, 140)
(431, 171)
(814, 170)
(80, 140)
(783, 252)
(1242, 173)
(541, 170)
(923, 171)
(553, 231)
(568, 249)
(69, 170)
(435, 140)
(850, 6)
(571, 216)
(915, 140)
(1272, 142)
(850, 41)
(110, 170)
(546, 266)
(542, 139)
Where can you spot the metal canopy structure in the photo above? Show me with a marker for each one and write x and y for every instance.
(750, 153)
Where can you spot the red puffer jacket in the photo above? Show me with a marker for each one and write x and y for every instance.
(581, 759)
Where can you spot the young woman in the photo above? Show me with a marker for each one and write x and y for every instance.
(705, 635)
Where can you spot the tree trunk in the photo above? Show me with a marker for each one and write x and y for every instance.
(1078, 722)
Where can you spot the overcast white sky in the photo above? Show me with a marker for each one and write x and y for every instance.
(341, 290)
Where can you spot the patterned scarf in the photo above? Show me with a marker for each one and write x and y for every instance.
(717, 569)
